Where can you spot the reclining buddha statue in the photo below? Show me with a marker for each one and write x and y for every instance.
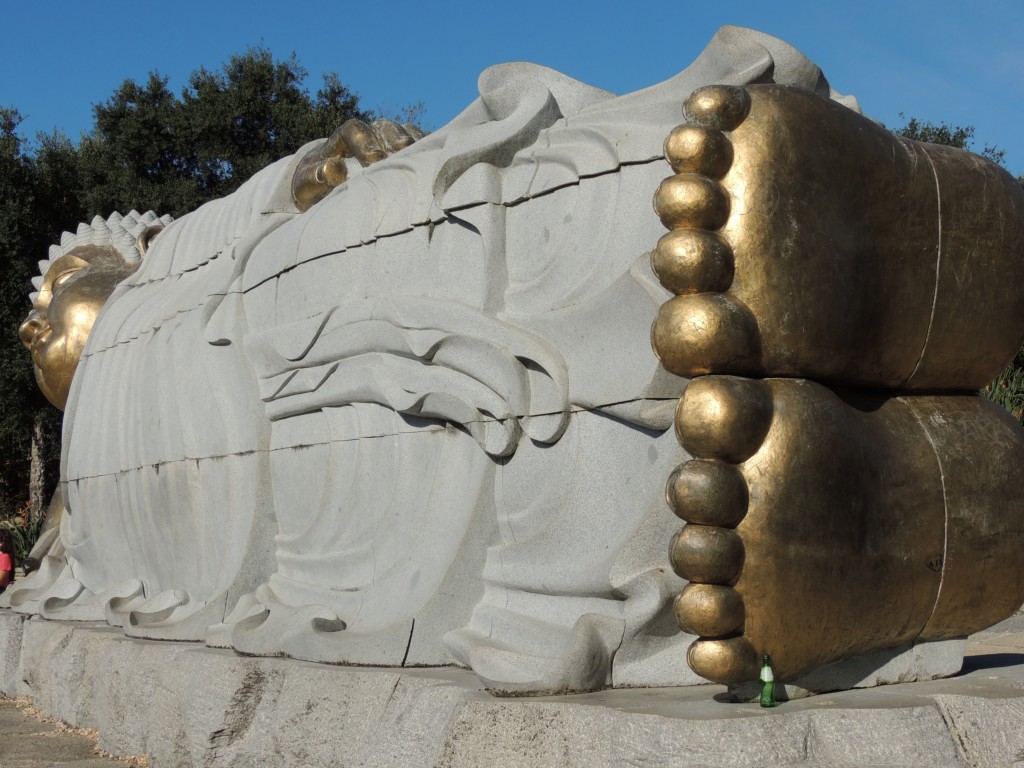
(399, 401)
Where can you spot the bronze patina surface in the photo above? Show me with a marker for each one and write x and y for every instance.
(73, 291)
(858, 257)
(323, 167)
(873, 521)
(806, 241)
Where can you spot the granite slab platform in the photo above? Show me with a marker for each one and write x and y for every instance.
(188, 705)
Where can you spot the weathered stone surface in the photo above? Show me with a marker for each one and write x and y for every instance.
(186, 705)
(986, 731)
(11, 629)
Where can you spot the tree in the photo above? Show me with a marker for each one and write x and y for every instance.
(252, 112)
(959, 136)
(131, 158)
(27, 421)
(150, 149)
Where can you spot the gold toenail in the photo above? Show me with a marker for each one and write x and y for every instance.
(709, 610)
(689, 201)
(722, 107)
(696, 149)
(724, 661)
(693, 261)
(724, 417)
(335, 172)
(708, 492)
(707, 554)
(705, 332)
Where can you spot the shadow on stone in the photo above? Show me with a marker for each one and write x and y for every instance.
(991, 661)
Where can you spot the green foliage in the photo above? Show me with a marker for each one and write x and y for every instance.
(26, 197)
(129, 160)
(151, 149)
(24, 532)
(1008, 387)
(959, 136)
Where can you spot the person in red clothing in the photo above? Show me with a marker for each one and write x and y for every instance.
(6, 560)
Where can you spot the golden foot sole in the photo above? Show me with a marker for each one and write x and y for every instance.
(806, 240)
(825, 525)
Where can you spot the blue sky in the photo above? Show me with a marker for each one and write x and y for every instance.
(962, 63)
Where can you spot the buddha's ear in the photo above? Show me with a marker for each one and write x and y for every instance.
(143, 241)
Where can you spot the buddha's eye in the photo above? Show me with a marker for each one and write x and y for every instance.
(62, 278)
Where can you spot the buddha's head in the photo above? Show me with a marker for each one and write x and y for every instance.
(73, 286)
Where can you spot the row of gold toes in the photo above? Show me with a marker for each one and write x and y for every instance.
(704, 329)
(720, 420)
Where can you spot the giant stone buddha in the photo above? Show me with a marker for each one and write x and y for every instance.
(398, 400)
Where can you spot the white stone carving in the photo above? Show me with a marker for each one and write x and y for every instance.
(420, 423)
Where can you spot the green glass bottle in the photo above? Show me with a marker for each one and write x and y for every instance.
(767, 683)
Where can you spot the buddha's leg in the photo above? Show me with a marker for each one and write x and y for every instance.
(575, 570)
(378, 507)
(826, 525)
(808, 241)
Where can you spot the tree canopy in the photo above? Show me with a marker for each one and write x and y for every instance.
(151, 149)
(26, 198)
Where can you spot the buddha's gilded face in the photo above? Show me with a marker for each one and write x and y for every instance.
(74, 289)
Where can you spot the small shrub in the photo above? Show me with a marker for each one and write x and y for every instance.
(1008, 387)
(24, 532)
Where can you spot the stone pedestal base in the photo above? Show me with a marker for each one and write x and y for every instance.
(186, 705)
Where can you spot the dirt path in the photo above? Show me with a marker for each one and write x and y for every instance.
(28, 739)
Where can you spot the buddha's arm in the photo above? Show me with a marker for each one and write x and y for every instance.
(323, 168)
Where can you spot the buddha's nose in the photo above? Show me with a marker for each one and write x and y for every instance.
(33, 324)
